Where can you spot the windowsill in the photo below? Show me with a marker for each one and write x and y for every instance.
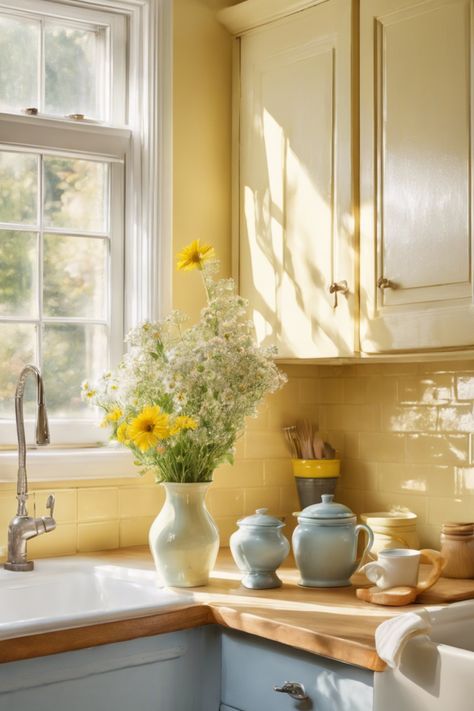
(68, 464)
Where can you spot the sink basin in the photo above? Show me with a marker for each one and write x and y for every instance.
(64, 593)
(436, 672)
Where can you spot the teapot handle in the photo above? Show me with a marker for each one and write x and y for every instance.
(370, 539)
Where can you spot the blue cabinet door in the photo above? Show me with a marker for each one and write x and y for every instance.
(251, 667)
(179, 671)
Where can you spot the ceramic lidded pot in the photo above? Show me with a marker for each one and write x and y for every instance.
(325, 544)
(258, 548)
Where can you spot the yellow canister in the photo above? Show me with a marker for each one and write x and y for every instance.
(392, 529)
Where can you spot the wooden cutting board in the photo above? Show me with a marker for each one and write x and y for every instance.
(448, 590)
(444, 590)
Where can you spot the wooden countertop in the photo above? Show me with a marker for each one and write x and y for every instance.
(331, 622)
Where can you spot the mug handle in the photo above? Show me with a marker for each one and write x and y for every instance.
(370, 539)
(373, 571)
(437, 561)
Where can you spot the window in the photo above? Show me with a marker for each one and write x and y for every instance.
(78, 160)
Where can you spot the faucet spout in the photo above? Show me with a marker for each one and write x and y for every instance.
(42, 430)
(23, 527)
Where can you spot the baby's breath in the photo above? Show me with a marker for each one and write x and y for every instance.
(206, 380)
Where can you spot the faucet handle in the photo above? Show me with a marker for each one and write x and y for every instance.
(50, 502)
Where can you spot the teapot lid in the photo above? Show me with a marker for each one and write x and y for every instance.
(261, 518)
(326, 509)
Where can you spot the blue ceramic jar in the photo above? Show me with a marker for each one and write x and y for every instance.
(259, 548)
(325, 544)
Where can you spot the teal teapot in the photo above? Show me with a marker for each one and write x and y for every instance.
(325, 544)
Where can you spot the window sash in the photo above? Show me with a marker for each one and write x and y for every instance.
(114, 27)
(84, 430)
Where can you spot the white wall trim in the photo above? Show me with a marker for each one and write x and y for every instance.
(252, 13)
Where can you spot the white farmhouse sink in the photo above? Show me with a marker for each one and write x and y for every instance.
(437, 672)
(64, 593)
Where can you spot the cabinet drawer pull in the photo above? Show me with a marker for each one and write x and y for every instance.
(340, 287)
(384, 283)
(293, 689)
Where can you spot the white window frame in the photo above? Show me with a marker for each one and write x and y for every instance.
(146, 142)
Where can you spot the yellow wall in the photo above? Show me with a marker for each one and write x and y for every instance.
(201, 139)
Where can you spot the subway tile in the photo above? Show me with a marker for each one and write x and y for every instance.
(245, 473)
(382, 447)
(278, 472)
(429, 535)
(357, 474)
(355, 418)
(98, 536)
(351, 445)
(266, 445)
(465, 387)
(421, 479)
(289, 500)
(332, 390)
(442, 510)
(430, 388)
(65, 508)
(61, 541)
(393, 501)
(409, 418)
(437, 448)
(134, 531)
(309, 391)
(135, 502)
(463, 483)
(266, 497)
(456, 418)
(380, 390)
(226, 526)
(355, 390)
(225, 502)
(353, 498)
(97, 504)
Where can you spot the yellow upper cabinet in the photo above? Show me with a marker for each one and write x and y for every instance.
(296, 231)
(416, 175)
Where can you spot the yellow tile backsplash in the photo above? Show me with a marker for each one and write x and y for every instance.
(404, 432)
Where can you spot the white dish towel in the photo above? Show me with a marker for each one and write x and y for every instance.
(392, 635)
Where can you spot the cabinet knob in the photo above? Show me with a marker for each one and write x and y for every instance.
(338, 287)
(384, 283)
(293, 689)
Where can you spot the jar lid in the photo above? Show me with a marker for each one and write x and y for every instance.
(261, 518)
(458, 529)
(327, 509)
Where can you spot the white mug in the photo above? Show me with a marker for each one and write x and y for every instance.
(399, 567)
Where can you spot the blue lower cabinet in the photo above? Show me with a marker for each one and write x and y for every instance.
(252, 667)
(179, 671)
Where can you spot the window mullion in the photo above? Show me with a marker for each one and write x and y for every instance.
(40, 265)
(41, 70)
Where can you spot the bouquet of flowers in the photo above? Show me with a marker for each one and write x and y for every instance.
(179, 397)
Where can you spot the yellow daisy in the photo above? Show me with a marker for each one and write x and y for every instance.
(183, 422)
(122, 433)
(113, 416)
(194, 255)
(148, 427)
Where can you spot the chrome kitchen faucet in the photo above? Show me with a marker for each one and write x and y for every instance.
(23, 527)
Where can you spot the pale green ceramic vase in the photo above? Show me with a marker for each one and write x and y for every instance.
(183, 538)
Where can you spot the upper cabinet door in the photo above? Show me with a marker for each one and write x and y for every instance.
(416, 175)
(296, 220)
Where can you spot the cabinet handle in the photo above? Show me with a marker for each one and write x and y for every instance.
(340, 287)
(384, 283)
(293, 689)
